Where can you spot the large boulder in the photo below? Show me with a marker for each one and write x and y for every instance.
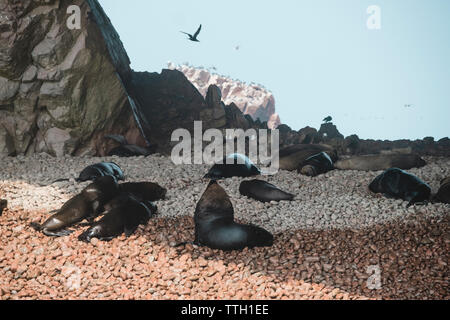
(61, 90)
(329, 131)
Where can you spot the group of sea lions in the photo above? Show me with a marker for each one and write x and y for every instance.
(125, 206)
(394, 182)
(315, 159)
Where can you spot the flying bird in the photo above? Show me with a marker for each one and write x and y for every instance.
(327, 119)
(194, 37)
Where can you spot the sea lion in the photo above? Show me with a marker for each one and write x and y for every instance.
(263, 191)
(95, 171)
(399, 184)
(215, 226)
(125, 149)
(318, 164)
(144, 191)
(293, 156)
(443, 194)
(241, 166)
(125, 217)
(85, 206)
(3, 205)
(378, 162)
(101, 169)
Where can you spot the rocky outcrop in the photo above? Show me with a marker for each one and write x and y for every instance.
(329, 131)
(61, 89)
(251, 99)
(168, 101)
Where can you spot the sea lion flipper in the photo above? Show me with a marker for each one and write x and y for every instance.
(61, 233)
(36, 226)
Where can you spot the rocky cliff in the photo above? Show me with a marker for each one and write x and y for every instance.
(251, 99)
(60, 88)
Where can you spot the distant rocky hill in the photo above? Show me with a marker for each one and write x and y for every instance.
(251, 99)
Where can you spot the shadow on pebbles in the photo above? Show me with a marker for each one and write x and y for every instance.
(408, 257)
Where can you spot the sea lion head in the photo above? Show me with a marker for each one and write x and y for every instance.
(309, 171)
(375, 186)
(103, 188)
(90, 173)
(214, 204)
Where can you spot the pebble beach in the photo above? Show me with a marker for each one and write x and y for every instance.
(325, 240)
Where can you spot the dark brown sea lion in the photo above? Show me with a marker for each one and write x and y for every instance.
(144, 191)
(318, 164)
(3, 205)
(399, 184)
(263, 191)
(101, 169)
(380, 162)
(215, 227)
(95, 171)
(124, 217)
(85, 206)
(234, 165)
(293, 156)
(443, 194)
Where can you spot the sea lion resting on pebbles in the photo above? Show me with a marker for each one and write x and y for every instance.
(234, 165)
(263, 191)
(378, 162)
(215, 226)
(144, 191)
(316, 165)
(95, 171)
(86, 205)
(101, 169)
(397, 183)
(293, 156)
(125, 216)
(443, 194)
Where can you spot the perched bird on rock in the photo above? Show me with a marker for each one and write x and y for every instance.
(327, 119)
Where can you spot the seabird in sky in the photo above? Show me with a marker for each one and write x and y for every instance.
(194, 37)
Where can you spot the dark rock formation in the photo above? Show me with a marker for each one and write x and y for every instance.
(60, 89)
(329, 131)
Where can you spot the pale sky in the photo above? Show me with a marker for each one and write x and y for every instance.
(317, 56)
